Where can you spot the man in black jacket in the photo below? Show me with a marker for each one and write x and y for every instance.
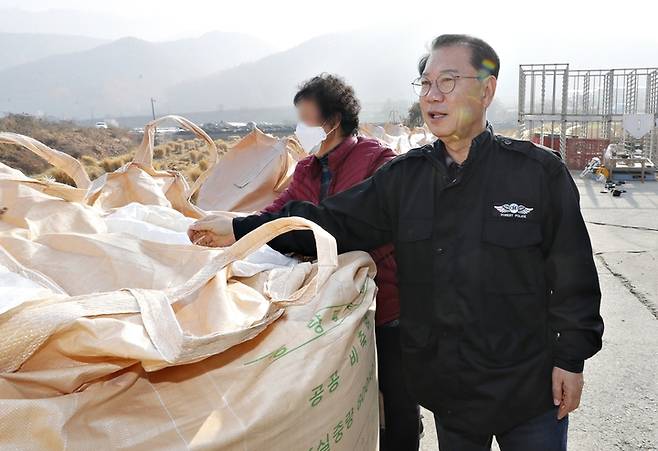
(499, 292)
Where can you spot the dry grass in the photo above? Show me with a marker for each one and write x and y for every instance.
(190, 157)
(114, 163)
(68, 137)
(192, 174)
(88, 160)
(160, 152)
(59, 176)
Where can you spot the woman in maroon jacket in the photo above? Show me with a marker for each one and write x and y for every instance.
(328, 122)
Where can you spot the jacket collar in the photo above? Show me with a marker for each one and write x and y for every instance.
(337, 156)
(479, 143)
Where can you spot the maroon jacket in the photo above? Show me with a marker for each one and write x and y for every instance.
(354, 160)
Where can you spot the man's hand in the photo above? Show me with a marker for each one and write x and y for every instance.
(567, 389)
(215, 230)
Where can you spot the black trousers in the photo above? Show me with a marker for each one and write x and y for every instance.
(542, 433)
(401, 412)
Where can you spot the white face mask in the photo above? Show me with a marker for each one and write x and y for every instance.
(310, 138)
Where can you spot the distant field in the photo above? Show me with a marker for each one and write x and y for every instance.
(99, 150)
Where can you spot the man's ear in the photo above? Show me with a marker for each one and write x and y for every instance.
(489, 91)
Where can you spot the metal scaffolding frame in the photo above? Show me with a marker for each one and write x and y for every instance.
(561, 102)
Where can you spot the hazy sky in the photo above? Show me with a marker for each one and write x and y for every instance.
(286, 23)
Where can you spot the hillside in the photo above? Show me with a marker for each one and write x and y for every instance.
(379, 65)
(21, 48)
(119, 78)
(64, 136)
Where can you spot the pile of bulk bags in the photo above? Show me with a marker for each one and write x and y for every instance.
(253, 173)
(398, 137)
(117, 333)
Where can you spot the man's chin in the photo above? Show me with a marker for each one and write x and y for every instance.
(442, 132)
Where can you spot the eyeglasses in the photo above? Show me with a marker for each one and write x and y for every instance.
(445, 84)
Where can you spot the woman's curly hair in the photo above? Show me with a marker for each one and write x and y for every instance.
(334, 98)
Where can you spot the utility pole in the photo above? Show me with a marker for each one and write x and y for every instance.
(155, 132)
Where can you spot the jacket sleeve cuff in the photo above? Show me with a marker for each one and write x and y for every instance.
(244, 225)
(573, 366)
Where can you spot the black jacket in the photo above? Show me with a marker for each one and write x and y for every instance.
(497, 279)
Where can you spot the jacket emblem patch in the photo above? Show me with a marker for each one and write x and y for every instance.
(513, 210)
